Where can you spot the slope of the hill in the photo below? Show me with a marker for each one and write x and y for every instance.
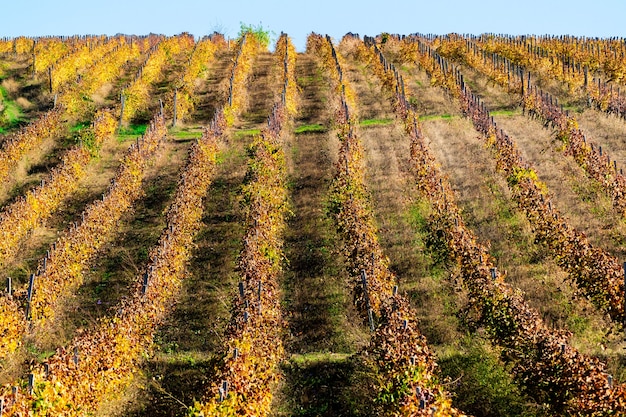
(324, 330)
(481, 385)
(579, 198)
(187, 344)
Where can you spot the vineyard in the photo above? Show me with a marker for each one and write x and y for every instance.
(411, 225)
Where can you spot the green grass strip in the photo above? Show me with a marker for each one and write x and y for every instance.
(11, 115)
(375, 122)
(79, 126)
(316, 128)
(437, 117)
(181, 134)
(131, 132)
(247, 132)
(506, 112)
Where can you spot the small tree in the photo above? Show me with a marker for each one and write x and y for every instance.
(261, 34)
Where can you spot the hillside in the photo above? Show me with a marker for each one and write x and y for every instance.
(415, 225)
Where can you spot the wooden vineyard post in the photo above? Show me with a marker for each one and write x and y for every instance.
(223, 391)
(31, 285)
(624, 301)
(123, 103)
(370, 316)
(34, 59)
(50, 78)
(144, 284)
(9, 286)
(230, 92)
(31, 383)
(174, 116)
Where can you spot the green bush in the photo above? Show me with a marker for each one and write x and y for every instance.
(481, 384)
(260, 33)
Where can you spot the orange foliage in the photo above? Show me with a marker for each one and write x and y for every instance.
(397, 352)
(254, 332)
(550, 370)
(102, 361)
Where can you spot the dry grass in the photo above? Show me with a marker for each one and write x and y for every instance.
(102, 96)
(579, 198)
(322, 317)
(11, 86)
(607, 131)
(24, 103)
(485, 198)
(370, 97)
(425, 274)
(399, 214)
(214, 89)
(31, 169)
(321, 314)
(499, 99)
(263, 82)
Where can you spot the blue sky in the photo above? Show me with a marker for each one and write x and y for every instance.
(602, 18)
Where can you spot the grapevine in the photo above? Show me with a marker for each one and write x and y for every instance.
(18, 144)
(61, 271)
(247, 369)
(198, 63)
(543, 106)
(29, 211)
(397, 351)
(52, 123)
(137, 95)
(547, 366)
(100, 363)
(76, 98)
(572, 61)
(47, 51)
(248, 46)
(597, 275)
(75, 64)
